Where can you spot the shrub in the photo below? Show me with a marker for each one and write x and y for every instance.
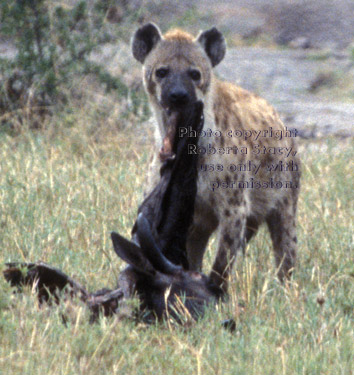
(53, 45)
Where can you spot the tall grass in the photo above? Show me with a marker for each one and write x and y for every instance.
(63, 189)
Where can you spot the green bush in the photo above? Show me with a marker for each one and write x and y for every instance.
(53, 45)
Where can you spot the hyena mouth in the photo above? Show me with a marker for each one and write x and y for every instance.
(171, 122)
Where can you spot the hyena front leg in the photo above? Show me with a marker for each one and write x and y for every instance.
(231, 240)
(204, 224)
(282, 227)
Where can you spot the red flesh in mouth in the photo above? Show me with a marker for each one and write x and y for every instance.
(166, 151)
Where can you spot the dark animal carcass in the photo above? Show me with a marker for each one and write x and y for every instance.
(157, 264)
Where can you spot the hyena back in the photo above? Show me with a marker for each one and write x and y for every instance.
(250, 179)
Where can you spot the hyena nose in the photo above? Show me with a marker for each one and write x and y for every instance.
(179, 97)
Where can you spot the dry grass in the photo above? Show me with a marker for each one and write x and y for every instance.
(63, 189)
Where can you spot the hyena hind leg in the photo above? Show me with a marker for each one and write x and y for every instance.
(282, 227)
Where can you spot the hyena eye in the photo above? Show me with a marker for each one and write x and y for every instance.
(195, 75)
(161, 73)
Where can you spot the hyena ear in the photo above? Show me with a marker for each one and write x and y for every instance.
(213, 43)
(144, 40)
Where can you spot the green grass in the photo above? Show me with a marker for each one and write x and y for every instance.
(62, 191)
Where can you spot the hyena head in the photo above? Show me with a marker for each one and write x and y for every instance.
(177, 68)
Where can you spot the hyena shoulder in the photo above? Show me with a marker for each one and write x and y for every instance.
(237, 108)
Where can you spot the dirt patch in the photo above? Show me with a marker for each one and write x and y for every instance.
(285, 79)
(314, 23)
(323, 24)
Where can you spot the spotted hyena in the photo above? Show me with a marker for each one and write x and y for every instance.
(248, 168)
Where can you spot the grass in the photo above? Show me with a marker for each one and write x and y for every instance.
(63, 189)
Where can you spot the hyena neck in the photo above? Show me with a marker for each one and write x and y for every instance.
(160, 128)
(209, 100)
